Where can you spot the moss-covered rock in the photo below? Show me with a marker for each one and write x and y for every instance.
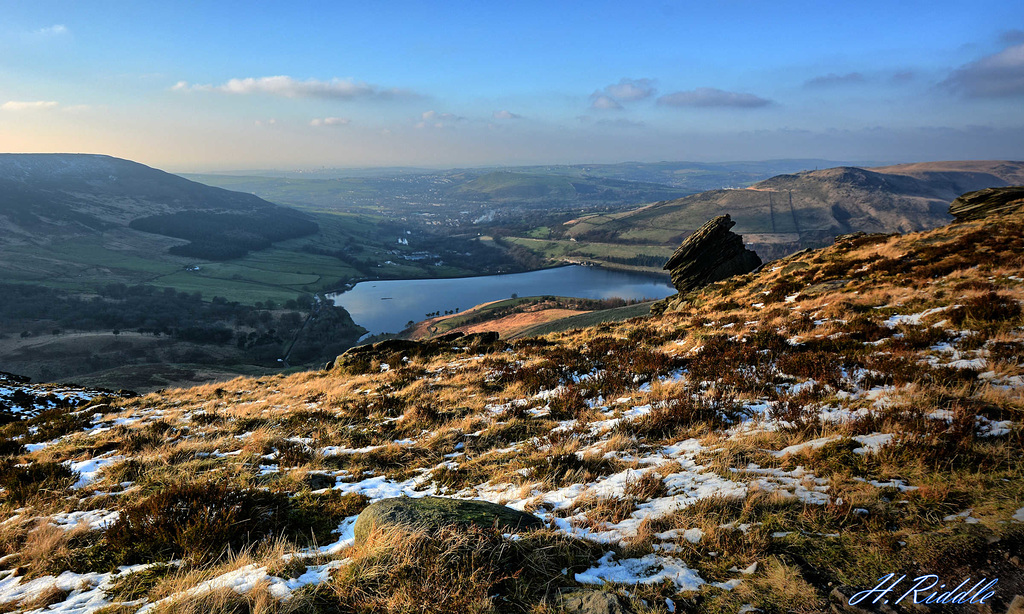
(432, 513)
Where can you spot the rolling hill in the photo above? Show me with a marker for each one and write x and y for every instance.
(777, 443)
(519, 187)
(48, 197)
(789, 212)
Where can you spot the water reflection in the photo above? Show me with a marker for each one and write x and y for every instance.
(387, 306)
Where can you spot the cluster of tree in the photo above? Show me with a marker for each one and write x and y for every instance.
(260, 333)
(459, 252)
(345, 254)
(647, 260)
(118, 306)
(523, 257)
(223, 236)
(329, 332)
(447, 312)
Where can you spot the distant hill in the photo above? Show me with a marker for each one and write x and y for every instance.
(788, 212)
(514, 186)
(44, 197)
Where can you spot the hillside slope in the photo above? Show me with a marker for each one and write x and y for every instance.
(779, 442)
(57, 197)
(789, 212)
(46, 196)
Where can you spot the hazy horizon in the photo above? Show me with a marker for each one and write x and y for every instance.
(223, 87)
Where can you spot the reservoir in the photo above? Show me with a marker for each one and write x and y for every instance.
(387, 306)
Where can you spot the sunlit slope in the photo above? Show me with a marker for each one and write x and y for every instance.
(809, 208)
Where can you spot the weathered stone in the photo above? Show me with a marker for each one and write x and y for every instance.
(590, 601)
(1016, 606)
(432, 513)
(448, 337)
(840, 598)
(484, 338)
(990, 201)
(318, 481)
(710, 254)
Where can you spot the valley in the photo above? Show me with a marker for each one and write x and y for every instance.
(80, 226)
(777, 440)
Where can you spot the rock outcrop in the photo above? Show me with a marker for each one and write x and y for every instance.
(710, 254)
(592, 601)
(990, 201)
(390, 349)
(432, 513)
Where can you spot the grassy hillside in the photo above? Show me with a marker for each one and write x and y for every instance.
(785, 213)
(51, 197)
(778, 441)
(516, 317)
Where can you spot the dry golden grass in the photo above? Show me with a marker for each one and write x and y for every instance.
(475, 423)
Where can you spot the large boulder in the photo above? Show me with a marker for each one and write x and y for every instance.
(710, 254)
(990, 201)
(592, 601)
(432, 513)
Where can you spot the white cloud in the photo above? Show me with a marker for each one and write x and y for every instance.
(54, 30)
(604, 103)
(626, 90)
(506, 114)
(713, 97)
(288, 87)
(998, 75)
(631, 89)
(330, 121)
(34, 105)
(434, 116)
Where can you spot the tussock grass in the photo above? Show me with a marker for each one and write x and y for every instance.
(870, 337)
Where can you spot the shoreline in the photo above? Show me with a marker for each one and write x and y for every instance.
(352, 284)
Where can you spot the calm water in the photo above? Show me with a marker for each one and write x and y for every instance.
(387, 306)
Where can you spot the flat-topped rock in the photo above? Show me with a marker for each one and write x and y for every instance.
(990, 201)
(432, 513)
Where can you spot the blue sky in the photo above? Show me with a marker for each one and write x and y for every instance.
(222, 85)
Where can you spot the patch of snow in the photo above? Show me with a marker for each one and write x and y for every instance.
(94, 519)
(649, 569)
(914, 319)
(89, 470)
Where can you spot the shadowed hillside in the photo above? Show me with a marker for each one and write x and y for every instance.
(47, 197)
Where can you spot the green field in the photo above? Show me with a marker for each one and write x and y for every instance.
(282, 272)
(599, 253)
